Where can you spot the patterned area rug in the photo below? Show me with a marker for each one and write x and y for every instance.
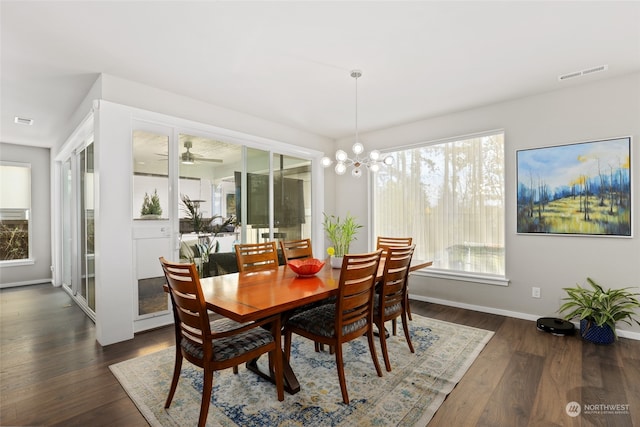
(409, 395)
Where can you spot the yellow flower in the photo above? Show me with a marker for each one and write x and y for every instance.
(331, 251)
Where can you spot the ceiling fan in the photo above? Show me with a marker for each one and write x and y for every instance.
(189, 158)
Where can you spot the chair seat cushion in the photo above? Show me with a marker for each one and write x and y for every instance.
(388, 311)
(224, 325)
(321, 321)
(233, 346)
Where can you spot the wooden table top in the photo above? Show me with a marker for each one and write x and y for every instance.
(251, 296)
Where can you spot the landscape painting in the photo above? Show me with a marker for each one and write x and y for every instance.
(576, 189)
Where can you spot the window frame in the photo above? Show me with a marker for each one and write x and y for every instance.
(29, 260)
(476, 277)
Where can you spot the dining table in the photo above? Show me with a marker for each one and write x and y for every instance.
(250, 296)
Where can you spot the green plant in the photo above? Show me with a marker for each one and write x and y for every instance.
(600, 307)
(151, 204)
(340, 233)
(217, 227)
(192, 211)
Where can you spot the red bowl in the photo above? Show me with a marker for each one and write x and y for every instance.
(306, 267)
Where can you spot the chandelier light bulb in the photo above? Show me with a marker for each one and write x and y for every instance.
(370, 162)
(341, 156)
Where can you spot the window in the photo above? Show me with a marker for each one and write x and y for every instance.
(448, 196)
(15, 212)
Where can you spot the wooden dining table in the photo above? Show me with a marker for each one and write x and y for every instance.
(250, 296)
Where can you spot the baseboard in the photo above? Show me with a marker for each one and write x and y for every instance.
(517, 315)
(26, 283)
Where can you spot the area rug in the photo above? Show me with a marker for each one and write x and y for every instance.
(409, 395)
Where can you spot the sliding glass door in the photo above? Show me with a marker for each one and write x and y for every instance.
(87, 234)
(78, 235)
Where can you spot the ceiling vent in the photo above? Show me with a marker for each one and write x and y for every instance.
(583, 72)
(23, 121)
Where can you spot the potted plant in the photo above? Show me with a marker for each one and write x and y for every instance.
(599, 310)
(192, 210)
(341, 234)
(151, 206)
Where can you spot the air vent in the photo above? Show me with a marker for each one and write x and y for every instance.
(583, 72)
(23, 121)
(594, 70)
(570, 76)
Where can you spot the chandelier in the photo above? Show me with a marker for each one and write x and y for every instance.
(359, 161)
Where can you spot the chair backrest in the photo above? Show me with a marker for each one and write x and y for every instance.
(189, 308)
(387, 242)
(354, 306)
(257, 256)
(394, 280)
(296, 249)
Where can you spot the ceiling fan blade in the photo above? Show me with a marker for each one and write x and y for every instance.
(200, 159)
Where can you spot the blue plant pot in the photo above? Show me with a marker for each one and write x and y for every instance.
(596, 334)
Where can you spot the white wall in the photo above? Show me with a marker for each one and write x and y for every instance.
(40, 270)
(580, 112)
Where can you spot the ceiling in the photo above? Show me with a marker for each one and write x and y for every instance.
(289, 62)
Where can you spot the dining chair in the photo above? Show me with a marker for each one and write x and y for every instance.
(296, 249)
(216, 345)
(348, 318)
(256, 256)
(390, 301)
(384, 243)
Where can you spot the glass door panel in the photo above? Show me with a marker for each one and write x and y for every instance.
(67, 229)
(150, 175)
(258, 194)
(87, 268)
(152, 238)
(292, 197)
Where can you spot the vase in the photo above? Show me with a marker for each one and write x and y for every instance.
(336, 262)
(596, 334)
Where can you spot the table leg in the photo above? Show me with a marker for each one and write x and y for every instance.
(291, 384)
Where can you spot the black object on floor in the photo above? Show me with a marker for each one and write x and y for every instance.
(555, 326)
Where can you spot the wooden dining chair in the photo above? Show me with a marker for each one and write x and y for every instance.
(296, 249)
(390, 301)
(386, 242)
(350, 317)
(216, 345)
(256, 256)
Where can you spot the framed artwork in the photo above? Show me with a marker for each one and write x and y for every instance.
(231, 204)
(575, 189)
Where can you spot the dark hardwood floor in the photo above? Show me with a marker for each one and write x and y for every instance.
(53, 372)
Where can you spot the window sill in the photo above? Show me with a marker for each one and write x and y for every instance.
(464, 277)
(17, 262)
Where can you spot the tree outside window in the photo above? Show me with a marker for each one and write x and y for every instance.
(448, 196)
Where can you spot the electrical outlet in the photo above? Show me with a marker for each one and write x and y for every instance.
(535, 292)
